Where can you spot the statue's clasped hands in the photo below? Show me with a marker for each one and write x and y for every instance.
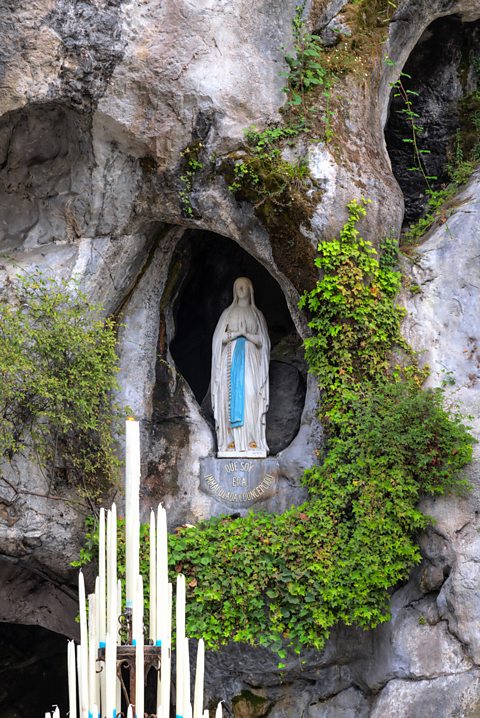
(254, 338)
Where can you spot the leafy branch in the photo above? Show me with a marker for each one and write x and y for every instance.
(58, 370)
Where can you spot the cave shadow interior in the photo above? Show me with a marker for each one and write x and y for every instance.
(33, 671)
(442, 74)
(207, 265)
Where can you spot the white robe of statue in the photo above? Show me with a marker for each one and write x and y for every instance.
(241, 319)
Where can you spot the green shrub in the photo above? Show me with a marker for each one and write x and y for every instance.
(58, 369)
(277, 580)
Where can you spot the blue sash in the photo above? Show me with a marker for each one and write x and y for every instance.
(237, 384)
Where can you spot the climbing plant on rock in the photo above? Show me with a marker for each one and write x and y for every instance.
(279, 580)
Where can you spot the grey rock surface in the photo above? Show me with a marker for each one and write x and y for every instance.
(99, 99)
(350, 703)
(448, 697)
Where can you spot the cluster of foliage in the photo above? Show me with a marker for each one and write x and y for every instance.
(261, 174)
(191, 165)
(278, 580)
(375, 12)
(307, 69)
(58, 368)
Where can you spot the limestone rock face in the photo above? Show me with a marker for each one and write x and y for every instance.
(99, 101)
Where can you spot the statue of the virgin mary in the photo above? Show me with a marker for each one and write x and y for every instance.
(240, 359)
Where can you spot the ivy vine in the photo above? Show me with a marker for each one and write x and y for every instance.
(287, 580)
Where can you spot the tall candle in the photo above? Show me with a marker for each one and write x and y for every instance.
(162, 574)
(153, 581)
(112, 613)
(119, 606)
(92, 654)
(82, 654)
(199, 677)
(118, 700)
(130, 712)
(100, 626)
(166, 663)
(102, 612)
(72, 679)
(219, 711)
(139, 654)
(108, 571)
(82, 668)
(187, 706)
(180, 642)
(110, 676)
(56, 712)
(82, 608)
(132, 507)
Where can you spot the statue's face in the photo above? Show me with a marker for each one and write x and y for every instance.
(241, 288)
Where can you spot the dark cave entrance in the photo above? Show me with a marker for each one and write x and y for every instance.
(33, 671)
(444, 69)
(205, 266)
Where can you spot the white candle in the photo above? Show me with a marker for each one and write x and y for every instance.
(139, 652)
(180, 643)
(102, 612)
(112, 613)
(82, 608)
(108, 571)
(110, 675)
(82, 667)
(56, 712)
(92, 654)
(153, 582)
(219, 711)
(130, 712)
(166, 666)
(119, 607)
(72, 679)
(119, 611)
(187, 706)
(199, 677)
(132, 507)
(100, 626)
(162, 575)
(82, 651)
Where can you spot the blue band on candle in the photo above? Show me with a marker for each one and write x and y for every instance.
(134, 642)
(114, 713)
(90, 714)
(102, 644)
(129, 604)
(178, 716)
(158, 643)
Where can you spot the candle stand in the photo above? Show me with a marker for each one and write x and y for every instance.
(103, 669)
(126, 661)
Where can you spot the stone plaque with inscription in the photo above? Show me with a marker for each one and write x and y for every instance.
(239, 482)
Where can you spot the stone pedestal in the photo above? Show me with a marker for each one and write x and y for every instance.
(239, 482)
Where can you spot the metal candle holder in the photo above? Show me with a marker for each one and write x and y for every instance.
(126, 659)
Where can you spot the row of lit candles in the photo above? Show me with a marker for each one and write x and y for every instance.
(97, 694)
